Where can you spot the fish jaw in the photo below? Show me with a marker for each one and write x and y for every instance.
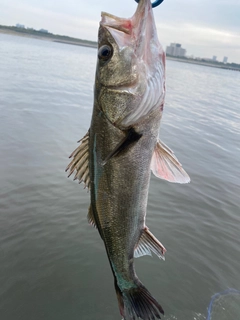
(135, 73)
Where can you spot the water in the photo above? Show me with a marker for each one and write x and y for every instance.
(52, 263)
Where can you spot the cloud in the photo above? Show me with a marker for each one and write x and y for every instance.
(201, 40)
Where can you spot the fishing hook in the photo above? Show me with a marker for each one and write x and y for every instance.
(155, 3)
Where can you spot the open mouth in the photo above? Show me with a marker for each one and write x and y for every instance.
(113, 22)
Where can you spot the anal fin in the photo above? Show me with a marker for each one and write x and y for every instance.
(147, 244)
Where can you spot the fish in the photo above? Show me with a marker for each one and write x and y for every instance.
(116, 156)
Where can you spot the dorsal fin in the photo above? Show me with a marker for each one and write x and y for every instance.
(165, 165)
(80, 162)
(91, 218)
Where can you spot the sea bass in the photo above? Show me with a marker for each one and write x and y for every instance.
(121, 148)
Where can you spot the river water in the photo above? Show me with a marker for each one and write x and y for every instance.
(53, 263)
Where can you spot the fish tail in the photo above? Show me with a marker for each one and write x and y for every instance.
(137, 302)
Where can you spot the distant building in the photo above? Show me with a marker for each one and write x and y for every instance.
(18, 25)
(214, 58)
(176, 50)
(43, 30)
(225, 59)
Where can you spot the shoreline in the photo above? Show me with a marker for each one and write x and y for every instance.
(82, 44)
(91, 44)
(52, 38)
(206, 64)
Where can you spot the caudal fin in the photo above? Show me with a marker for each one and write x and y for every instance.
(137, 302)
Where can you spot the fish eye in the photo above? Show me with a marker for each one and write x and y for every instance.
(105, 52)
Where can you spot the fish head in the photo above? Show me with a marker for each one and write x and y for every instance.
(130, 74)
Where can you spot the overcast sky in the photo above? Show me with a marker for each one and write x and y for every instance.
(203, 27)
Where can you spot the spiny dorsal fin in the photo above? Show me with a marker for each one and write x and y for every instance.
(80, 162)
(90, 217)
(165, 165)
(148, 243)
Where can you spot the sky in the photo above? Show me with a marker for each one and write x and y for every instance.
(204, 27)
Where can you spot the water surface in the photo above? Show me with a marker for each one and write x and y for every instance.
(53, 264)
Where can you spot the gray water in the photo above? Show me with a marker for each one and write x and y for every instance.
(53, 265)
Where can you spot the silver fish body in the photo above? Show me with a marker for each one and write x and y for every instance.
(116, 156)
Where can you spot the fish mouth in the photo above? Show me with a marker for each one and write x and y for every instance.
(137, 31)
(113, 22)
(138, 20)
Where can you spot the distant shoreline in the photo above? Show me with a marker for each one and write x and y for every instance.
(92, 44)
(203, 63)
(82, 44)
(49, 37)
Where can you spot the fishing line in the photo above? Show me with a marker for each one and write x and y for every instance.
(224, 305)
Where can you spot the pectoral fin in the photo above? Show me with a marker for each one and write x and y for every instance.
(80, 162)
(131, 137)
(166, 166)
(147, 244)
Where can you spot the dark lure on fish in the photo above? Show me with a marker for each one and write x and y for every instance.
(116, 156)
